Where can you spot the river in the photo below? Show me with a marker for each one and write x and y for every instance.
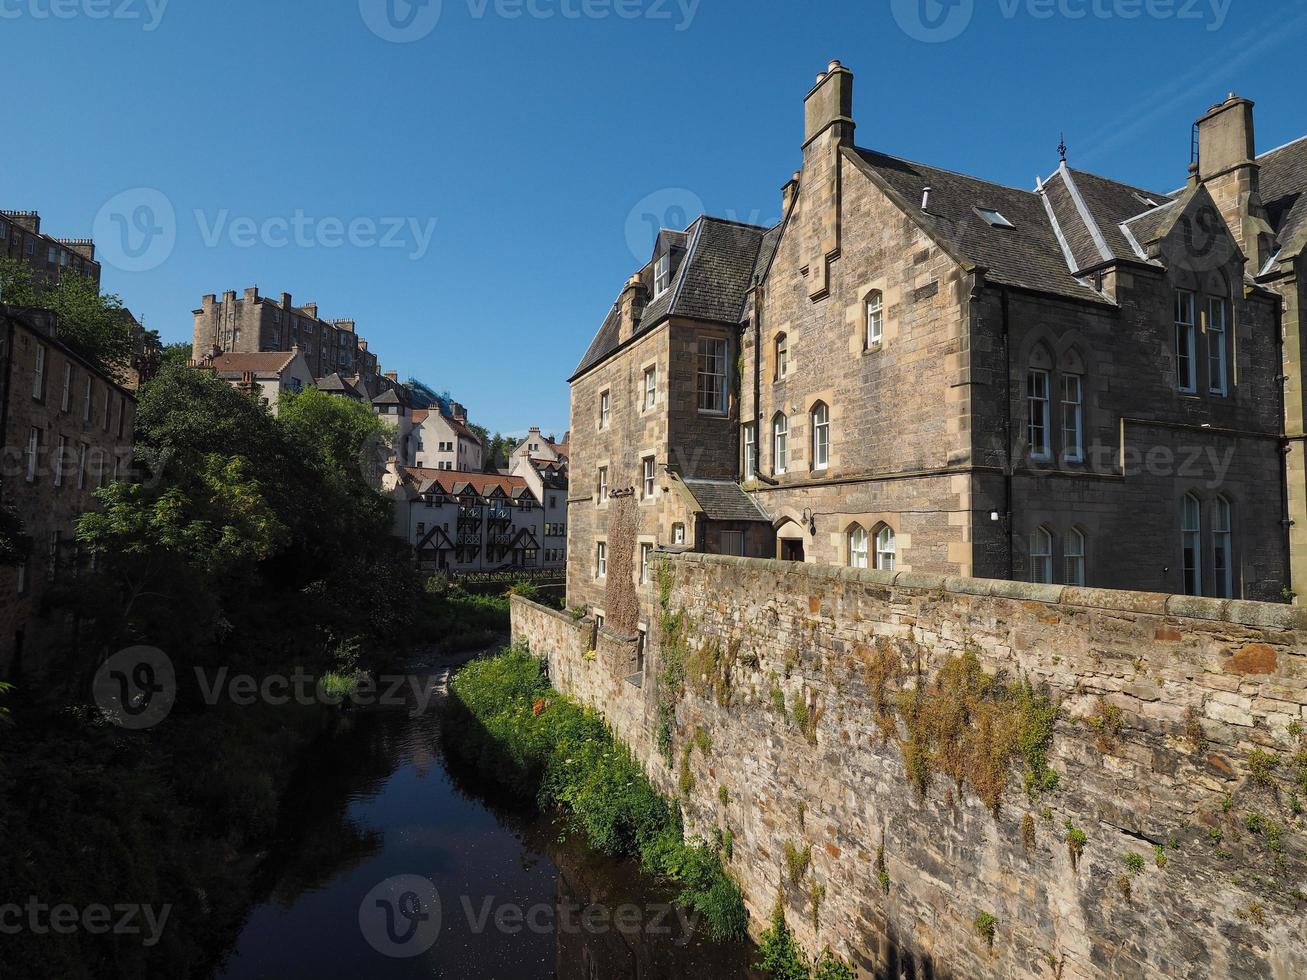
(393, 861)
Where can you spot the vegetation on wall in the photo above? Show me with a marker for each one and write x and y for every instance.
(508, 722)
(783, 958)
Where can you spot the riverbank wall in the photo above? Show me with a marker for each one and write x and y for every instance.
(798, 715)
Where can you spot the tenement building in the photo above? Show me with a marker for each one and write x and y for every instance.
(67, 432)
(250, 324)
(22, 240)
(919, 370)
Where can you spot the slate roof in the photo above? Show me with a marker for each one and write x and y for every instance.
(724, 501)
(388, 397)
(710, 283)
(335, 384)
(1284, 192)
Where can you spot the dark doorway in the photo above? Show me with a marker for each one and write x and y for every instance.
(791, 550)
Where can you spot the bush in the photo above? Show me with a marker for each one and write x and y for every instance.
(506, 718)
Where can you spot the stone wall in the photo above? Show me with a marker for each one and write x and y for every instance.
(1178, 721)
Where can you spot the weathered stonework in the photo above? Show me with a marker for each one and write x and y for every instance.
(1167, 706)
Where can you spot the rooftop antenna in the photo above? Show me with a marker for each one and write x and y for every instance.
(1061, 149)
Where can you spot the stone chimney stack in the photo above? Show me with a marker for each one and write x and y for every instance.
(458, 412)
(1227, 164)
(827, 133)
(285, 301)
(631, 304)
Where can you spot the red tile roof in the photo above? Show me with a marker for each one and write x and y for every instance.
(482, 483)
(265, 362)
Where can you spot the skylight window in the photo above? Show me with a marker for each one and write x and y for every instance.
(994, 218)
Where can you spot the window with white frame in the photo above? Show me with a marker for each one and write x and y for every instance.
(1223, 548)
(1073, 418)
(1074, 557)
(59, 461)
(1191, 534)
(601, 560)
(650, 387)
(1185, 342)
(820, 436)
(712, 386)
(603, 484)
(780, 432)
(1037, 412)
(1041, 556)
(66, 397)
(605, 408)
(875, 309)
(887, 549)
(86, 401)
(646, 556)
(81, 467)
(1218, 333)
(782, 356)
(678, 534)
(33, 453)
(858, 540)
(38, 377)
(750, 452)
(662, 274)
(648, 477)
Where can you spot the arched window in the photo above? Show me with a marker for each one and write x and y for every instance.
(875, 318)
(780, 432)
(1191, 524)
(820, 436)
(1041, 556)
(782, 356)
(1223, 549)
(886, 549)
(858, 546)
(1075, 557)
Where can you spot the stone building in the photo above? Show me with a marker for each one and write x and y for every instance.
(67, 432)
(540, 448)
(920, 370)
(21, 239)
(251, 324)
(264, 375)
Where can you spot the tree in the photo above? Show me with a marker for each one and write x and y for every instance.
(178, 353)
(94, 324)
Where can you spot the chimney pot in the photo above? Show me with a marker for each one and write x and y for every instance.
(834, 65)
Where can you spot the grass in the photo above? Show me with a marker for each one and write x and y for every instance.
(459, 620)
(566, 757)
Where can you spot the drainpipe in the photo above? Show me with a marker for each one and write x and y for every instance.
(1286, 521)
(1008, 466)
(757, 387)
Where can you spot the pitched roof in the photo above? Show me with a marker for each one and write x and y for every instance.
(452, 481)
(710, 283)
(388, 397)
(420, 415)
(1284, 192)
(1027, 255)
(721, 500)
(335, 384)
(263, 362)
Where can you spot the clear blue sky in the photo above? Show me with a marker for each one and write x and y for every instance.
(531, 139)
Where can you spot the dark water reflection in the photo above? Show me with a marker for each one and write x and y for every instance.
(518, 899)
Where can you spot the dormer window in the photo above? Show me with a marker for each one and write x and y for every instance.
(994, 218)
(662, 274)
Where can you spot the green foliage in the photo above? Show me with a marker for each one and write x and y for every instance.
(1262, 766)
(777, 696)
(510, 723)
(1106, 723)
(782, 958)
(1134, 862)
(831, 967)
(675, 626)
(986, 927)
(723, 796)
(95, 325)
(685, 782)
(971, 726)
(797, 861)
(882, 871)
(1159, 854)
(178, 353)
(1075, 842)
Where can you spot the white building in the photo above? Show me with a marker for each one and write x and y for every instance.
(444, 442)
(473, 522)
(264, 375)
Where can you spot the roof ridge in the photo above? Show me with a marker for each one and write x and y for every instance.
(1284, 146)
(945, 170)
(1087, 216)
